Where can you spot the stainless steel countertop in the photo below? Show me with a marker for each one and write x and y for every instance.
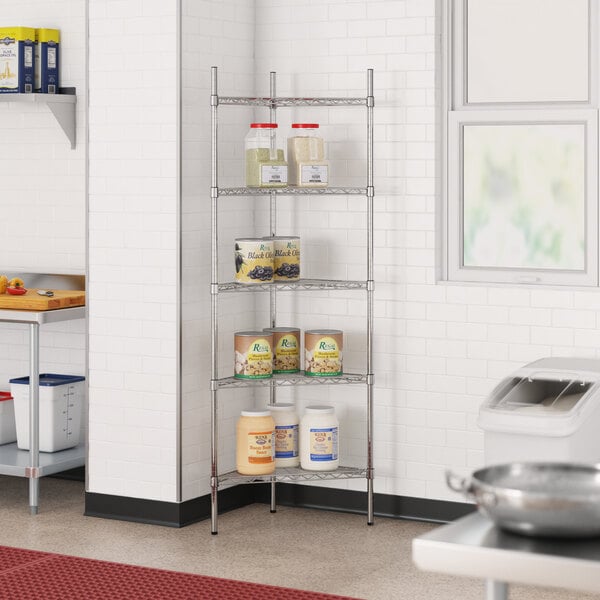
(472, 546)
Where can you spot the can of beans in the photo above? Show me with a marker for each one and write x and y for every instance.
(253, 354)
(323, 352)
(253, 260)
(286, 349)
(286, 258)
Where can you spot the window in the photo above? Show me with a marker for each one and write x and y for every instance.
(521, 136)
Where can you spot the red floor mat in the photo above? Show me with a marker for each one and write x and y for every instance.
(31, 575)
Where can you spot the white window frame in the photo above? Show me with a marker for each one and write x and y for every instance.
(457, 112)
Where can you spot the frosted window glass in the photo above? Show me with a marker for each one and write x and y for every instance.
(524, 196)
(527, 50)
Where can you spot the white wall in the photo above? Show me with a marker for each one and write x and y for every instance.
(439, 347)
(133, 249)
(215, 33)
(43, 198)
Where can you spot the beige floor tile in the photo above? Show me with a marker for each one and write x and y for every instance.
(307, 549)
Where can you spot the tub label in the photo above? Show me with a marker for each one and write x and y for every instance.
(260, 447)
(286, 441)
(323, 444)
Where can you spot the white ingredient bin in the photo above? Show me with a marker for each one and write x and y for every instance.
(61, 400)
(8, 429)
(549, 410)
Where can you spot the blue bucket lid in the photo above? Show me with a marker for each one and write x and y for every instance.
(50, 379)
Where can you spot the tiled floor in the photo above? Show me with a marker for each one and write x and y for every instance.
(306, 549)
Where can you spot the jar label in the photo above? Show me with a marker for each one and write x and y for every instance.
(286, 441)
(260, 447)
(314, 174)
(287, 354)
(323, 443)
(273, 174)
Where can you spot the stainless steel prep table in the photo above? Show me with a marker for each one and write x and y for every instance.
(473, 547)
(23, 463)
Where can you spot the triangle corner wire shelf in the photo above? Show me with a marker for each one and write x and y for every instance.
(293, 474)
(291, 379)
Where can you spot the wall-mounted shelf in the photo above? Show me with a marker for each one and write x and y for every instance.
(62, 106)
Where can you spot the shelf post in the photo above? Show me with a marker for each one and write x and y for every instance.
(34, 417)
(214, 346)
(273, 232)
(370, 196)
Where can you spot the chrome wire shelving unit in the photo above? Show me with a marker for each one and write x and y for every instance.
(220, 480)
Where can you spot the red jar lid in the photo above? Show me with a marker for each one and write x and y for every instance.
(263, 125)
(305, 125)
(5, 396)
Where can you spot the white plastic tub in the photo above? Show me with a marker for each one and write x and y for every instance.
(61, 400)
(8, 430)
(548, 410)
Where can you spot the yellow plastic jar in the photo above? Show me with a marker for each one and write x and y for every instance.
(255, 452)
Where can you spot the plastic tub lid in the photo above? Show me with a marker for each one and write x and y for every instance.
(305, 126)
(283, 406)
(264, 125)
(5, 396)
(323, 409)
(255, 412)
(50, 379)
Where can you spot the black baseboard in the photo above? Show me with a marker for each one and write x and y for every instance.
(173, 514)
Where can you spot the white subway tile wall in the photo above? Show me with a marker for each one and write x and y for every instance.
(133, 249)
(439, 348)
(43, 203)
(217, 34)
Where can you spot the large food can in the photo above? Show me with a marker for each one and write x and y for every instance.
(323, 352)
(286, 349)
(253, 260)
(253, 354)
(286, 258)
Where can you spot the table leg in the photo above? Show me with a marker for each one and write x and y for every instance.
(496, 590)
(34, 416)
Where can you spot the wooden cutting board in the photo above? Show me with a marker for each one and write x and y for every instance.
(33, 301)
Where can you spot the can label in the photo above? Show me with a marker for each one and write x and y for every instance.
(323, 444)
(323, 354)
(286, 441)
(253, 260)
(253, 357)
(260, 447)
(286, 259)
(287, 353)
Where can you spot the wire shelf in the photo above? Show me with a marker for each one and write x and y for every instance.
(300, 284)
(277, 102)
(293, 474)
(290, 379)
(292, 191)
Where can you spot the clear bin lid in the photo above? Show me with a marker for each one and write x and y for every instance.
(541, 394)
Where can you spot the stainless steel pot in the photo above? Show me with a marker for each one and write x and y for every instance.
(536, 499)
